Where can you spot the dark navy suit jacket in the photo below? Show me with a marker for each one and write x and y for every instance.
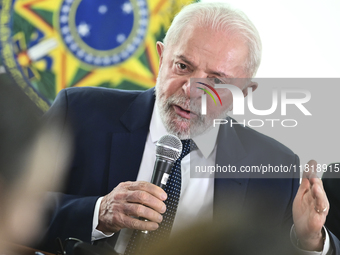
(110, 130)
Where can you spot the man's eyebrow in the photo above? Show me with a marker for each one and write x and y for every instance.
(187, 61)
(184, 59)
(220, 74)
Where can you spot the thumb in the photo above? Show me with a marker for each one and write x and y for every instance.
(304, 187)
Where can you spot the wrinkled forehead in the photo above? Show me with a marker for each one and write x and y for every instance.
(211, 50)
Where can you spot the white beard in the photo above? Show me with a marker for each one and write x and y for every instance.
(181, 127)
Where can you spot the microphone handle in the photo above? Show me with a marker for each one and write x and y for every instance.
(161, 172)
(160, 176)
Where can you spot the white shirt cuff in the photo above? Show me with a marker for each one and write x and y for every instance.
(326, 246)
(97, 234)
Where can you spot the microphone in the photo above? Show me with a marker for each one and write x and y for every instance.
(168, 150)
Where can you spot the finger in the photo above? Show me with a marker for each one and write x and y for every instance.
(316, 180)
(320, 199)
(132, 223)
(138, 210)
(309, 171)
(150, 188)
(145, 198)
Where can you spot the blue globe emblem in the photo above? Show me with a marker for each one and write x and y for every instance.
(103, 32)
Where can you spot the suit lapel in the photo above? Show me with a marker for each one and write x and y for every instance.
(229, 193)
(127, 147)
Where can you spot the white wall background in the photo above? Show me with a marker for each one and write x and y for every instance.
(301, 39)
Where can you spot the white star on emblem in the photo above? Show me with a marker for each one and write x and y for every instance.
(141, 3)
(140, 31)
(63, 19)
(115, 58)
(130, 48)
(121, 38)
(143, 12)
(127, 8)
(143, 22)
(124, 54)
(83, 29)
(102, 9)
(80, 53)
(65, 30)
(88, 58)
(73, 46)
(68, 39)
(137, 40)
(107, 60)
(97, 60)
(65, 9)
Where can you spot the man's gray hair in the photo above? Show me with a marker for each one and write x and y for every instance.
(220, 17)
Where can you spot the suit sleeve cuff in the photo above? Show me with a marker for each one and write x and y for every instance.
(97, 234)
(326, 247)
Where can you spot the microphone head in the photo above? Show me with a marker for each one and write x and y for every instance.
(169, 147)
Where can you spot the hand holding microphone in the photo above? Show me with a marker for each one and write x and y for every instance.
(129, 201)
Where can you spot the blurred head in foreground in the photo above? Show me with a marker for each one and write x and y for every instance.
(28, 167)
(232, 235)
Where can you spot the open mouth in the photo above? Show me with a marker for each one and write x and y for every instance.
(182, 112)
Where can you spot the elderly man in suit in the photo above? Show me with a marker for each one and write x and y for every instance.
(116, 131)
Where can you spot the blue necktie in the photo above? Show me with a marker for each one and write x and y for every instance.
(173, 189)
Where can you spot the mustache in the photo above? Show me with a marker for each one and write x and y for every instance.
(180, 100)
(184, 102)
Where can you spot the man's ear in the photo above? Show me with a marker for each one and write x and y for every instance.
(252, 85)
(160, 50)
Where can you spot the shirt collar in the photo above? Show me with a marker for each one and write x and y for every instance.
(205, 142)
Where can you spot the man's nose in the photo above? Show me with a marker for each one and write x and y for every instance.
(190, 86)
